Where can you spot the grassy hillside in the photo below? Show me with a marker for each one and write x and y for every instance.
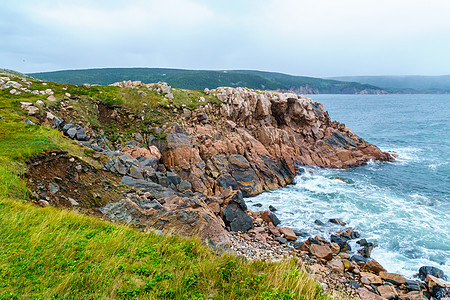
(198, 80)
(412, 84)
(50, 253)
(324, 86)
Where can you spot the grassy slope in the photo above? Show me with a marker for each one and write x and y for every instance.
(198, 80)
(48, 253)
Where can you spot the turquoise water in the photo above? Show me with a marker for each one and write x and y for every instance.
(403, 206)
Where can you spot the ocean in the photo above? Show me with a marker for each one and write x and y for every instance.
(402, 206)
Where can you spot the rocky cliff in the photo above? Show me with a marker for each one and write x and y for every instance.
(190, 174)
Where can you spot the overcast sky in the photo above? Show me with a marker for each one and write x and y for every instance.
(300, 37)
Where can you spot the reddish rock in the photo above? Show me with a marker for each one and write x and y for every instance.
(374, 267)
(366, 295)
(335, 248)
(274, 230)
(370, 278)
(393, 278)
(288, 233)
(321, 251)
(387, 291)
(336, 266)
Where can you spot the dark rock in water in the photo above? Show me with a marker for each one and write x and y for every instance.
(337, 221)
(345, 236)
(281, 240)
(275, 219)
(313, 240)
(440, 291)
(353, 284)
(428, 270)
(354, 235)
(362, 242)
(236, 218)
(271, 208)
(257, 204)
(300, 233)
(358, 259)
(318, 222)
(366, 251)
(341, 242)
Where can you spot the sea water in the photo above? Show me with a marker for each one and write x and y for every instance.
(402, 206)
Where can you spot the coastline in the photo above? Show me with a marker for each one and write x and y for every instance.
(190, 175)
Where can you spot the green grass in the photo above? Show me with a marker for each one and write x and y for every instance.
(50, 253)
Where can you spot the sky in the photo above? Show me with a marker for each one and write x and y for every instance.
(318, 38)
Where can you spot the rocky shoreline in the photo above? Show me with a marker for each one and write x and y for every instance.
(190, 177)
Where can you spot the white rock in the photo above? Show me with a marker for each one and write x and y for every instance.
(67, 94)
(49, 91)
(40, 102)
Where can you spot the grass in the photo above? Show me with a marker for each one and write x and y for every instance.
(50, 253)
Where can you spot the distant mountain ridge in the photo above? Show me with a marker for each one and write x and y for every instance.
(201, 79)
(404, 84)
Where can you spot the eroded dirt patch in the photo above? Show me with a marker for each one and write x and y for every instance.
(66, 181)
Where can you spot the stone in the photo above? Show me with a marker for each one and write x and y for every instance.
(437, 288)
(73, 202)
(366, 251)
(53, 187)
(272, 209)
(135, 172)
(337, 221)
(28, 121)
(32, 110)
(288, 233)
(281, 240)
(429, 270)
(40, 103)
(318, 222)
(344, 246)
(374, 266)
(71, 132)
(81, 135)
(393, 278)
(412, 296)
(274, 230)
(269, 217)
(412, 285)
(51, 98)
(43, 203)
(387, 291)
(335, 248)
(336, 266)
(323, 252)
(371, 278)
(236, 218)
(358, 259)
(366, 295)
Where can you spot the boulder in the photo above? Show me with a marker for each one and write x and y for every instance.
(323, 252)
(369, 278)
(387, 291)
(437, 288)
(337, 221)
(374, 266)
(288, 233)
(393, 278)
(429, 270)
(236, 218)
(270, 217)
(366, 295)
(336, 266)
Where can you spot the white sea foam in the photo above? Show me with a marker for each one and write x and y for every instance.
(408, 228)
